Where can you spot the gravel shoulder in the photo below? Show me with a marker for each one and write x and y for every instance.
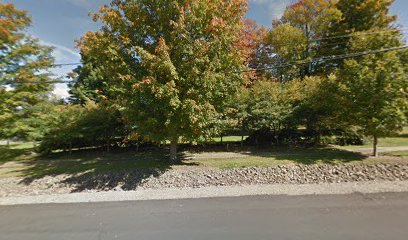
(211, 192)
(142, 179)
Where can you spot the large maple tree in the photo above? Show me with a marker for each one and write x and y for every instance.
(172, 64)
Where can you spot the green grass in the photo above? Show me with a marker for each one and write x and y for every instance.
(35, 166)
(402, 154)
(19, 160)
(396, 141)
(225, 139)
(384, 142)
(16, 152)
(229, 139)
(285, 156)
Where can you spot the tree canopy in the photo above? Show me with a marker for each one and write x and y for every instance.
(24, 71)
(172, 64)
(184, 71)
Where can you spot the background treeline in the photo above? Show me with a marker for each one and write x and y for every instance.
(326, 72)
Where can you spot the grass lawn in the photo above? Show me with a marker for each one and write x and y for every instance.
(227, 139)
(402, 154)
(294, 156)
(19, 159)
(397, 141)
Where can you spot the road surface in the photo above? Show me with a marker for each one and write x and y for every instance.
(356, 216)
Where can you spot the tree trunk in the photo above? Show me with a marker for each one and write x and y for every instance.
(309, 65)
(221, 139)
(70, 148)
(8, 143)
(375, 143)
(173, 151)
(108, 146)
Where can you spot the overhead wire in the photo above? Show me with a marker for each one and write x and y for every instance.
(299, 62)
(310, 41)
(295, 63)
(327, 58)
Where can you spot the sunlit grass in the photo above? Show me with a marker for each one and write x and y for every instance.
(20, 160)
(227, 139)
(402, 154)
(284, 156)
(397, 141)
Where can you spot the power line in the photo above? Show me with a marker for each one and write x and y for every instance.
(65, 64)
(291, 44)
(37, 82)
(327, 58)
(361, 34)
(300, 62)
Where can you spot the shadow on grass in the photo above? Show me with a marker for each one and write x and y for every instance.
(100, 171)
(312, 155)
(96, 170)
(10, 154)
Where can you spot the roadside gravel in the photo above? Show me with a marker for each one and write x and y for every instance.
(192, 177)
(213, 191)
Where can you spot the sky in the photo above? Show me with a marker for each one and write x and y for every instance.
(59, 22)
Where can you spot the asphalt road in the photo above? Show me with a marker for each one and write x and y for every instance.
(356, 216)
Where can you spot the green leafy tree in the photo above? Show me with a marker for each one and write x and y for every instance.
(39, 119)
(172, 64)
(61, 128)
(375, 88)
(288, 43)
(77, 126)
(268, 105)
(363, 15)
(358, 16)
(24, 71)
(90, 83)
(320, 106)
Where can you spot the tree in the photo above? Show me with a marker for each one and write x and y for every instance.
(68, 126)
(24, 71)
(172, 64)
(90, 84)
(252, 48)
(320, 107)
(357, 16)
(375, 88)
(363, 15)
(288, 45)
(268, 105)
(302, 25)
